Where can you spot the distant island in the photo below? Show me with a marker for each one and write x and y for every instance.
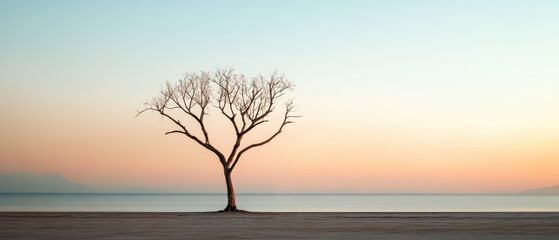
(31, 183)
(544, 190)
(54, 183)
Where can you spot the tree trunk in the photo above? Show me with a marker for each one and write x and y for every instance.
(231, 206)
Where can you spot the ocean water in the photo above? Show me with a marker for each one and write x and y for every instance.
(190, 202)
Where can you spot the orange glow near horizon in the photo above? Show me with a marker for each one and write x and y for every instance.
(310, 156)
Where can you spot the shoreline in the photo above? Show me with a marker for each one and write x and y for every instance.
(280, 225)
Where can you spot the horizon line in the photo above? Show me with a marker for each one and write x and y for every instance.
(286, 193)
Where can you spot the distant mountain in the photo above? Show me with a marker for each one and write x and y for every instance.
(30, 183)
(545, 190)
(54, 183)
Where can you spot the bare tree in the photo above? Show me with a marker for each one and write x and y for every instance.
(246, 102)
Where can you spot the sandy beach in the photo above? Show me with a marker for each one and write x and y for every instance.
(98, 225)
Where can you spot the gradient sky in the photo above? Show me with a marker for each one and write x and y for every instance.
(397, 96)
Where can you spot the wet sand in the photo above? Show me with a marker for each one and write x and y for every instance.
(98, 225)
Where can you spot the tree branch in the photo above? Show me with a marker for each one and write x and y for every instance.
(176, 131)
(288, 110)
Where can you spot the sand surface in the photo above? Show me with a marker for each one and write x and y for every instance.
(98, 225)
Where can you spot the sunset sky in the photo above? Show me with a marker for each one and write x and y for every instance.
(397, 96)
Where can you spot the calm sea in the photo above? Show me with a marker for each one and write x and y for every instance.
(279, 202)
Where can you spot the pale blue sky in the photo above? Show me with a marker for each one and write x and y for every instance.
(472, 53)
(357, 40)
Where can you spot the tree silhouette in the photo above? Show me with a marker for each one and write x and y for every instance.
(246, 102)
